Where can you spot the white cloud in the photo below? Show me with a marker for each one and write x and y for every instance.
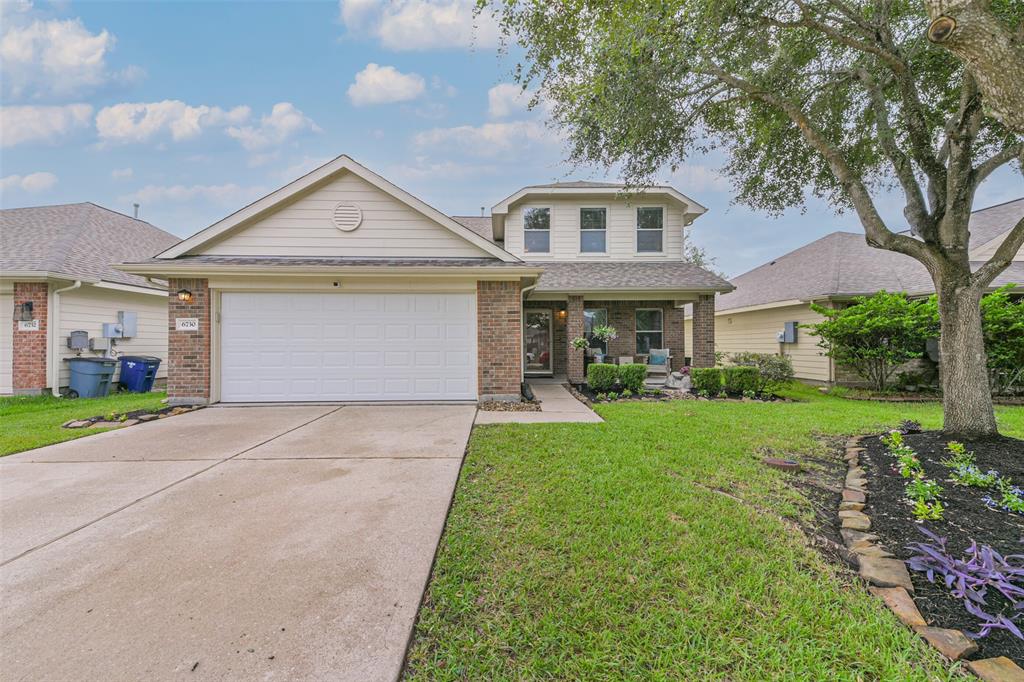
(489, 139)
(284, 122)
(384, 85)
(21, 124)
(507, 99)
(424, 169)
(140, 121)
(303, 166)
(34, 182)
(404, 25)
(56, 58)
(227, 194)
(122, 173)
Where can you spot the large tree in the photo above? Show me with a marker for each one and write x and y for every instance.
(845, 100)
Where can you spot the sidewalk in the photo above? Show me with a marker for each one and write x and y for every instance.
(557, 405)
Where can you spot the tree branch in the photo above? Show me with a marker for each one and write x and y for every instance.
(916, 210)
(989, 165)
(874, 227)
(1002, 258)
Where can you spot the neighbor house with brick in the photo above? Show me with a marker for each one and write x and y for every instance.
(341, 286)
(56, 277)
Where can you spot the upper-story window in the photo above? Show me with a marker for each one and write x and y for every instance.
(650, 228)
(537, 230)
(593, 230)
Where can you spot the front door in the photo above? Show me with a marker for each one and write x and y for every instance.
(537, 342)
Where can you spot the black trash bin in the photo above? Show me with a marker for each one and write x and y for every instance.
(138, 372)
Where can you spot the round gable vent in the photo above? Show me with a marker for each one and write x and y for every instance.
(347, 217)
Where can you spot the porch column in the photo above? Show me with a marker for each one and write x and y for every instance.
(573, 329)
(704, 331)
(188, 350)
(675, 334)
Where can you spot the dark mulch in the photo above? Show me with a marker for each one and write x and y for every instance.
(966, 518)
(649, 396)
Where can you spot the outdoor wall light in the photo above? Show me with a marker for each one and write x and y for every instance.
(561, 314)
(184, 295)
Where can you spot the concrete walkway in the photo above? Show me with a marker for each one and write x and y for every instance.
(557, 405)
(229, 543)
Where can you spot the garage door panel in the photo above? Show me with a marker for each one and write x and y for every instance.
(307, 347)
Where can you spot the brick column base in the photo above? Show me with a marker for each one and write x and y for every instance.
(675, 334)
(188, 352)
(704, 331)
(499, 326)
(29, 347)
(574, 329)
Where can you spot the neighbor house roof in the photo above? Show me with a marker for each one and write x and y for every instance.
(841, 265)
(572, 276)
(76, 241)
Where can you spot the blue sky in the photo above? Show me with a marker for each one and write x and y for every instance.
(194, 109)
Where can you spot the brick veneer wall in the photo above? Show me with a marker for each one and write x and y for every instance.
(499, 340)
(704, 331)
(573, 329)
(29, 348)
(188, 352)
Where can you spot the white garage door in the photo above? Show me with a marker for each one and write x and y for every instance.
(312, 347)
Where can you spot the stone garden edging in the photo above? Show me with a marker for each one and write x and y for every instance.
(141, 418)
(889, 579)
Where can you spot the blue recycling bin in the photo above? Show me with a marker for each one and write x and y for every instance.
(90, 377)
(138, 372)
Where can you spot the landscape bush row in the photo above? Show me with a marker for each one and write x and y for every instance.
(751, 375)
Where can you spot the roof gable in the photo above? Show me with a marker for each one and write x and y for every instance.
(296, 220)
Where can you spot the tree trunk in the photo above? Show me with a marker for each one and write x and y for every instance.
(970, 30)
(966, 398)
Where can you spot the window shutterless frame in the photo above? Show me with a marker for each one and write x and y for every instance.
(593, 229)
(650, 329)
(537, 229)
(650, 229)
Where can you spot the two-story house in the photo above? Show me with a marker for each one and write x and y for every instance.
(342, 287)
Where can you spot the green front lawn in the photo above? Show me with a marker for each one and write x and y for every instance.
(603, 552)
(28, 422)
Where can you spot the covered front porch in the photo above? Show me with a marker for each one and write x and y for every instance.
(642, 324)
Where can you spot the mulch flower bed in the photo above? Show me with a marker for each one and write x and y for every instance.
(965, 518)
(658, 395)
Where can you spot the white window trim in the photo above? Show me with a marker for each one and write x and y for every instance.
(551, 221)
(579, 232)
(636, 230)
(637, 330)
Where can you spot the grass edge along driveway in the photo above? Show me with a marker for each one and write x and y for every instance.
(601, 552)
(28, 422)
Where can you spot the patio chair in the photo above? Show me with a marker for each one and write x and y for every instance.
(659, 366)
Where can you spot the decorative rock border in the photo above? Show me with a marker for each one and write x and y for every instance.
(889, 579)
(102, 422)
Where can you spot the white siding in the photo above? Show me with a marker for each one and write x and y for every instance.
(89, 307)
(755, 332)
(621, 222)
(304, 227)
(6, 343)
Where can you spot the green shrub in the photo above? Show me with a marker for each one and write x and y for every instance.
(773, 371)
(707, 379)
(633, 376)
(738, 380)
(601, 376)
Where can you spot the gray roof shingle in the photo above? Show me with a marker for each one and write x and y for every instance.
(79, 241)
(842, 264)
(615, 276)
(479, 224)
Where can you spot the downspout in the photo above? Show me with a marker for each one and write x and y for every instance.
(522, 325)
(54, 329)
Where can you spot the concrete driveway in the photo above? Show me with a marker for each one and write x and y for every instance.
(229, 543)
